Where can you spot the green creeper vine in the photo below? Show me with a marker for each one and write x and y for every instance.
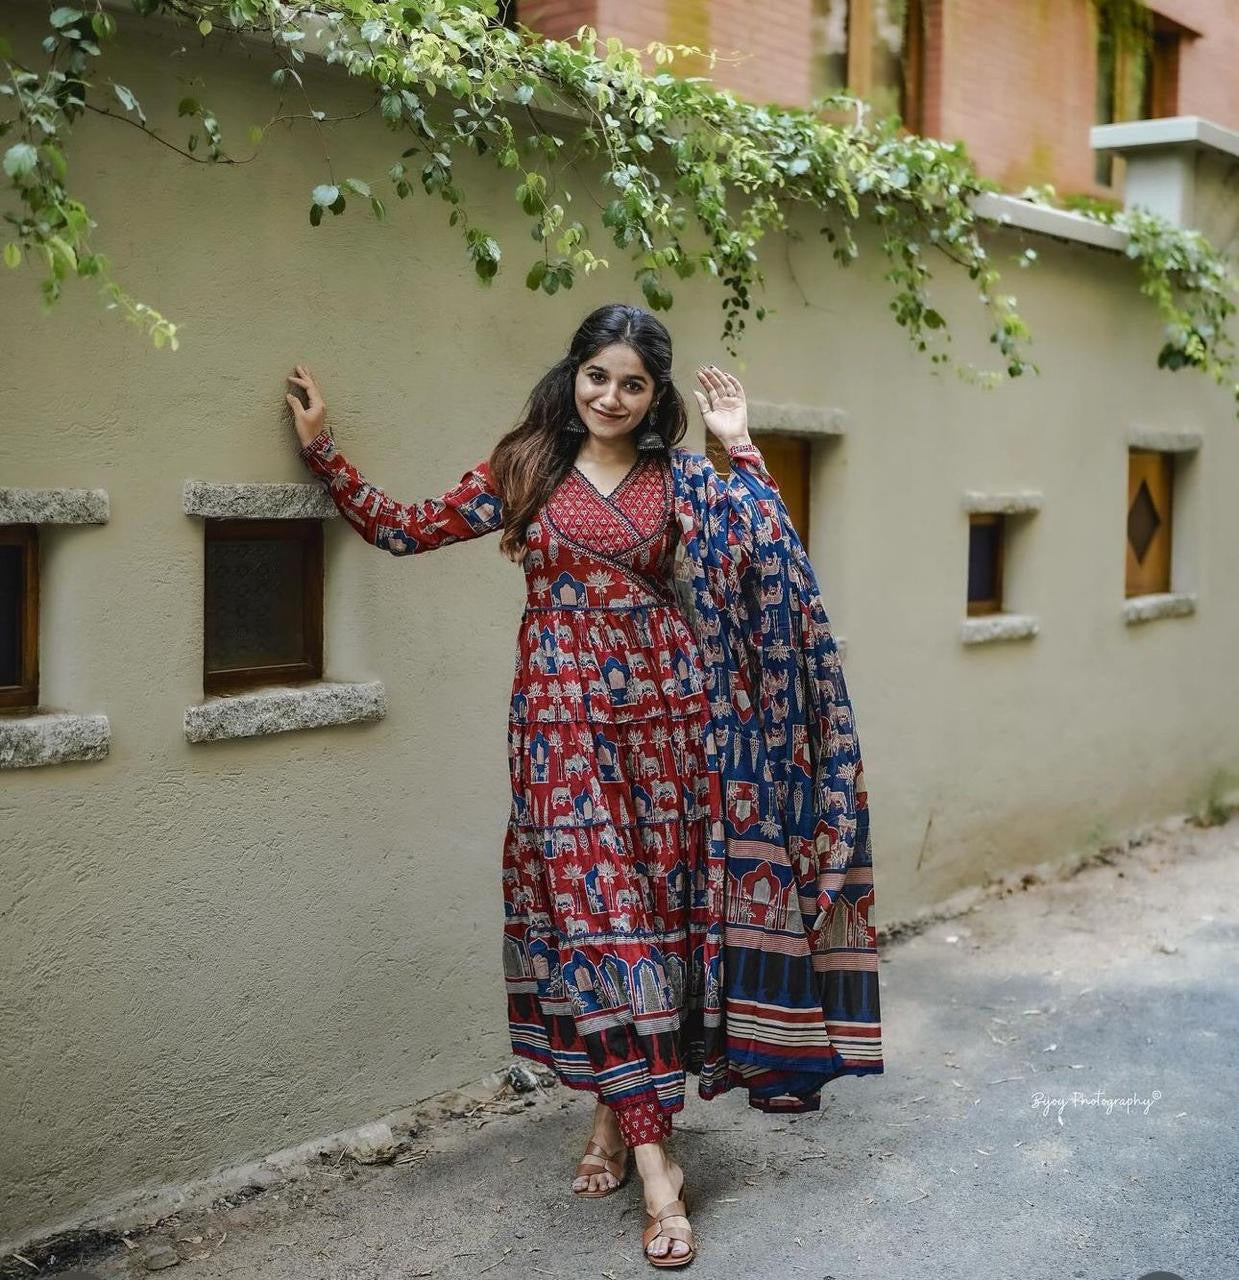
(693, 178)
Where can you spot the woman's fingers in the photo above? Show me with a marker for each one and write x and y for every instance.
(303, 378)
(724, 384)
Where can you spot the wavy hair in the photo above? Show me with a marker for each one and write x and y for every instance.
(532, 458)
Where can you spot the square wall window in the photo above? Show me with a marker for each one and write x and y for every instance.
(263, 603)
(986, 539)
(19, 617)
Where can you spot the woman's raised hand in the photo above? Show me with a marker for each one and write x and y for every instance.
(721, 401)
(308, 418)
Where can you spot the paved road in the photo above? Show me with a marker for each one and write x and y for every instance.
(1059, 1103)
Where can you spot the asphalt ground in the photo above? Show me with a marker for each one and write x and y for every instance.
(1059, 1102)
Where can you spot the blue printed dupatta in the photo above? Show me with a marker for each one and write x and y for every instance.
(800, 980)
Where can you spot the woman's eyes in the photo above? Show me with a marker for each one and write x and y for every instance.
(635, 386)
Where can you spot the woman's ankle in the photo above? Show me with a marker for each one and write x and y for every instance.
(654, 1160)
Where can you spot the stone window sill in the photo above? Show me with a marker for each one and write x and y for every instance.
(989, 627)
(1166, 604)
(282, 708)
(52, 737)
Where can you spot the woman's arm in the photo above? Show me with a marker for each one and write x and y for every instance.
(469, 509)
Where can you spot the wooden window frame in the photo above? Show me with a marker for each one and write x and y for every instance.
(859, 58)
(993, 604)
(310, 533)
(1137, 576)
(24, 696)
(802, 501)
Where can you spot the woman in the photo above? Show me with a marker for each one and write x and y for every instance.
(686, 874)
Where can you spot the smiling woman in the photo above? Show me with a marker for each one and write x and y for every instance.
(645, 840)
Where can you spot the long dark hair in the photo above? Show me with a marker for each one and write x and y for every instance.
(534, 456)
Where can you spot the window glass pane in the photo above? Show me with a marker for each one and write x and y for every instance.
(983, 560)
(12, 589)
(887, 37)
(255, 596)
(1103, 111)
(828, 42)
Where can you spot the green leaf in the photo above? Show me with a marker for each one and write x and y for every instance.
(357, 187)
(205, 26)
(64, 16)
(188, 107)
(56, 160)
(255, 134)
(377, 208)
(325, 196)
(536, 272)
(12, 254)
(128, 101)
(316, 214)
(20, 160)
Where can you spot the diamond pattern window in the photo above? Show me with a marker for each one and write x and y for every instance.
(1150, 484)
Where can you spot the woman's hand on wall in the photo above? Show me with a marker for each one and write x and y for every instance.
(722, 405)
(309, 411)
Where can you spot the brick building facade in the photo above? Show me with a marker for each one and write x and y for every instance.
(1020, 83)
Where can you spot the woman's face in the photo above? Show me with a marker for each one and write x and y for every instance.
(614, 391)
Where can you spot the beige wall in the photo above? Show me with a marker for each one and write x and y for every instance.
(214, 951)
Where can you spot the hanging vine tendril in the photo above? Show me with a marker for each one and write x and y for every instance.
(693, 178)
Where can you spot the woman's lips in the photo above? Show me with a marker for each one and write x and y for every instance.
(611, 417)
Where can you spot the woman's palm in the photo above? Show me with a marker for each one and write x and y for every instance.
(722, 404)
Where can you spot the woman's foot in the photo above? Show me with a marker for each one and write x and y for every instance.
(607, 1135)
(662, 1182)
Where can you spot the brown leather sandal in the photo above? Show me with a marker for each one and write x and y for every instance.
(654, 1228)
(608, 1158)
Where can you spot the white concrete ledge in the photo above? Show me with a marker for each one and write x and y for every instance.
(1014, 212)
(1169, 131)
(53, 506)
(1167, 604)
(1008, 502)
(1167, 440)
(795, 419)
(282, 708)
(258, 501)
(52, 737)
(989, 627)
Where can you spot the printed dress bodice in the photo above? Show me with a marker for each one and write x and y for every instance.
(589, 549)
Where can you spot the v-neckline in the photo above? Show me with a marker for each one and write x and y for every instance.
(608, 497)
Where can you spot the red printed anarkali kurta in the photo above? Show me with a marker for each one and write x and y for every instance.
(612, 869)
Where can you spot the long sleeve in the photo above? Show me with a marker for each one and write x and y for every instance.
(469, 509)
(745, 508)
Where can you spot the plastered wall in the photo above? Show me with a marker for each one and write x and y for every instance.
(218, 950)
